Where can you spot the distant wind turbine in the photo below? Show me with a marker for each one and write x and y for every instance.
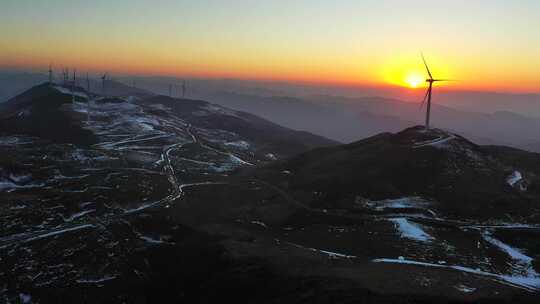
(65, 74)
(103, 79)
(183, 89)
(73, 85)
(430, 80)
(50, 74)
(88, 100)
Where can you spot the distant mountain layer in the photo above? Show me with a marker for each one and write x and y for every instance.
(350, 119)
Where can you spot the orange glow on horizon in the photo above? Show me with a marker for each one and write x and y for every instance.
(408, 71)
(405, 71)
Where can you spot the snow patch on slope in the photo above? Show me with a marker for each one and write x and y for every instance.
(67, 91)
(241, 144)
(411, 230)
(514, 178)
(439, 142)
(510, 280)
(523, 271)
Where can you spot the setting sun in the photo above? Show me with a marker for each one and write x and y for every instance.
(414, 79)
(407, 70)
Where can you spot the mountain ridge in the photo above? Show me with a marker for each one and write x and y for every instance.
(50, 106)
(468, 179)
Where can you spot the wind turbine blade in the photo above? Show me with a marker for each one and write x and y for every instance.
(444, 80)
(424, 100)
(427, 68)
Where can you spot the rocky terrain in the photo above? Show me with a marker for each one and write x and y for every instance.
(144, 199)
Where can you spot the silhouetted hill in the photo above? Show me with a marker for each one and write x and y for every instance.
(50, 112)
(44, 111)
(470, 181)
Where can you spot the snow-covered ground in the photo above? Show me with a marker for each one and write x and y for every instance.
(241, 144)
(518, 281)
(410, 230)
(15, 140)
(514, 178)
(523, 270)
(399, 203)
(437, 143)
(465, 288)
(67, 91)
(78, 215)
(330, 254)
(7, 185)
(271, 156)
(96, 280)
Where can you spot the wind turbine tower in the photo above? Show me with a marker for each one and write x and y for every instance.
(103, 79)
(65, 73)
(89, 99)
(73, 86)
(183, 89)
(429, 91)
(50, 74)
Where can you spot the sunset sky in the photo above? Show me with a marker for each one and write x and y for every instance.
(486, 45)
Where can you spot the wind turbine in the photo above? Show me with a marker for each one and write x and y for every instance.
(88, 100)
(183, 89)
(65, 74)
(429, 80)
(50, 73)
(73, 84)
(103, 78)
